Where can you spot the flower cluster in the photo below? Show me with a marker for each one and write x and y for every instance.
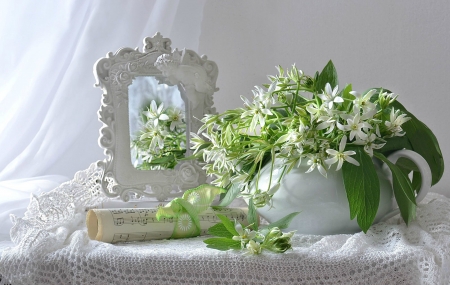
(295, 118)
(161, 140)
(272, 239)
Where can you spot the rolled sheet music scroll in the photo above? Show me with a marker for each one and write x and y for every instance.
(124, 225)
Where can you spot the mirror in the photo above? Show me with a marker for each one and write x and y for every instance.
(152, 100)
(157, 124)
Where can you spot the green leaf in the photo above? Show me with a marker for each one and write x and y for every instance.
(398, 174)
(284, 222)
(424, 142)
(421, 140)
(407, 164)
(220, 230)
(363, 188)
(416, 181)
(252, 215)
(396, 143)
(328, 75)
(407, 208)
(229, 225)
(403, 191)
(222, 243)
(348, 98)
(230, 195)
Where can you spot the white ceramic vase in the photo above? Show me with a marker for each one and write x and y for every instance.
(323, 201)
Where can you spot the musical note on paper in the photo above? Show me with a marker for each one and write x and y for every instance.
(118, 221)
(124, 225)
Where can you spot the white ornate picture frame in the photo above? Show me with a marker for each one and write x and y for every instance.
(195, 77)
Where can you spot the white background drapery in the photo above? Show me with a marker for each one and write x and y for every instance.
(48, 102)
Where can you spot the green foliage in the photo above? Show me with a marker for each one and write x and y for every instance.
(160, 141)
(301, 117)
(231, 235)
(284, 222)
(424, 142)
(328, 75)
(222, 243)
(363, 188)
(403, 190)
(252, 216)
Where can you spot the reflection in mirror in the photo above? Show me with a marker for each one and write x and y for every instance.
(140, 110)
(157, 124)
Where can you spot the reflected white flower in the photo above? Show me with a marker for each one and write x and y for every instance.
(155, 113)
(175, 117)
(156, 134)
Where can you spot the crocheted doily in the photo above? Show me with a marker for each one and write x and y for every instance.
(52, 247)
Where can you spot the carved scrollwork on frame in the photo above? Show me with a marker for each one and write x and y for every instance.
(195, 77)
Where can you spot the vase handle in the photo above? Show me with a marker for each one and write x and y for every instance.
(424, 170)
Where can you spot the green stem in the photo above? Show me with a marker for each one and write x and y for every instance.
(282, 174)
(271, 168)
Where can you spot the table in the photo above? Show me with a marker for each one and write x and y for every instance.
(52, 247)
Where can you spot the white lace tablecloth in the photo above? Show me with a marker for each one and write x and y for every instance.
(52, 247)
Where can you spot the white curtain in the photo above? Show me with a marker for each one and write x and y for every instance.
(48, 104)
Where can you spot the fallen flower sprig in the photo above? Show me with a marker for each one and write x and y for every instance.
(232, 235)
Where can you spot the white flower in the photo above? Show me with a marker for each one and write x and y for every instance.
(330, 96)
(266, 98)
(355, 126)
(316, 111)
(240, 178)
(292, 136)
(254, 247)
(155, 113)
(369, 144)
(146, 156)
(315, 160)
(245, 235)
(257, 111)
(326, 122)
(175, 117)
(363, 102)
(395, 122)
(156, 134)
(385, 99)
(341, 155)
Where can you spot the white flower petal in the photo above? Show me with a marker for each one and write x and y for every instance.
(163, 117)
(342, 143)
(351, 160)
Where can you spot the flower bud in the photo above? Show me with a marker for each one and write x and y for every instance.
(274, 233)
(278, 244)
(277, 241)
(261, 199)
